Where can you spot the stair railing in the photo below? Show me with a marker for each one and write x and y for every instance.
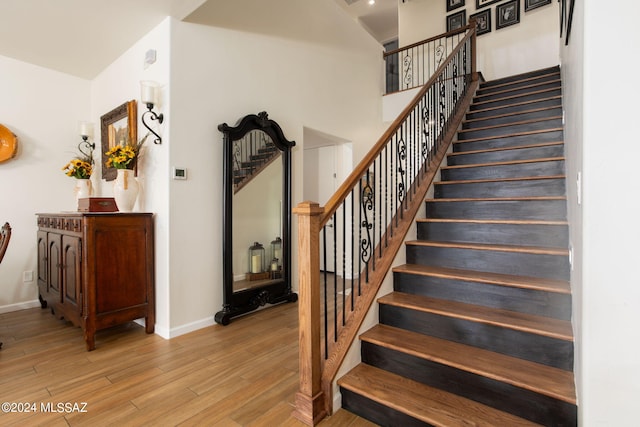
(346, 248)
(251, 155)
(411, 66)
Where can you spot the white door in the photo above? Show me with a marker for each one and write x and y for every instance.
(327, 186)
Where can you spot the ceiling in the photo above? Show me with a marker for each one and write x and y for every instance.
(82, 37)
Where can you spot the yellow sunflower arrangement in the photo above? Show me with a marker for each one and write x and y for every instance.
(80, 168)
(124, 156)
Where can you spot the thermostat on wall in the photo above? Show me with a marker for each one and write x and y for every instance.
(179, 173)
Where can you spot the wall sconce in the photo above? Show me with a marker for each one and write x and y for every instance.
(150, 97)
(85, 129)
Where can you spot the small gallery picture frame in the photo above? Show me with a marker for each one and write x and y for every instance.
(456, 20)
(482, 3)
(454, 4)
(507, 14)
(483, 21)
(534, 4)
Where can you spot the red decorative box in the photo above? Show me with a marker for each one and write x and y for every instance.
(97, 204)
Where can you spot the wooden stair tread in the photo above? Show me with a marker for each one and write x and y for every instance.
(488, 138)
(510, 162)
(546, 380)
(507, 98)
(477, 181)
(497, 199)
(518, 113)
(530, 323)
(524, 282)
(530, 86)
(538, 250)
(506, 125)
(514, 147)
(517, 104)
(491, 84)
(430, 405)
(494, 221)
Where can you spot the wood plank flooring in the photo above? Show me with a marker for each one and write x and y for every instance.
(244, 374)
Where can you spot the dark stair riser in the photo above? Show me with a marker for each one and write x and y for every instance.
(507, 91)
(552, 210)
(506, 155)
(514, 108)
(513, 118)
(515, 99)
(530, 301)
(491, 189)
(523, 345)
(375, 412)
(510, 129)
(524, 403)
(491, 261)
(549, 235)
(509, 141)
(520, 77)
(489, 87)
(516, 170)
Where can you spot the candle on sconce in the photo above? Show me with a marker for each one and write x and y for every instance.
(149, 92)
(85, 129)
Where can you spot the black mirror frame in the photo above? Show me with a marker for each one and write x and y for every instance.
(241, 302)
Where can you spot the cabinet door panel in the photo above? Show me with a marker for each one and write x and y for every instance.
(54, 265)
(43, 260)
(72, 271)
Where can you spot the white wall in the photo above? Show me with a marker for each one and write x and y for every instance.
(118, 83)
(605, 231)
(42, 107)
(220, 75)
(528, 45)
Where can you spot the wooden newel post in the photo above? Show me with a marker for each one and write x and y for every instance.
(310, 400)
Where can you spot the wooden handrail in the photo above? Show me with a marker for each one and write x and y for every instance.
(429, 40)
(314, 398)
(354, 177)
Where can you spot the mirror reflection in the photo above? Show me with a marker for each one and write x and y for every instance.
(256, 216)
(257, 222)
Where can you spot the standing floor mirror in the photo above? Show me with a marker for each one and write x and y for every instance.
(256, 216)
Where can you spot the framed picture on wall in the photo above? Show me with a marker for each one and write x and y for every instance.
(454, 4)
(456, 20)
(534, 4)
(483, 3)
(117, 127)
(483, 21)
(507, 14)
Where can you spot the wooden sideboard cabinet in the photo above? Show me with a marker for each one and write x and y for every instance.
(97, 269)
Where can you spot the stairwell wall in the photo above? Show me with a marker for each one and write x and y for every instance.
(528, 45)
(602, 147)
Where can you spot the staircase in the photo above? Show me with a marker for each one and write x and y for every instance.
(245, 170)
(477, 330)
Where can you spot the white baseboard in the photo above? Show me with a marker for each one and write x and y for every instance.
(185, 329)
(20, 306)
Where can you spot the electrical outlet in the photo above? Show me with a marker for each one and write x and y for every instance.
(27, 276)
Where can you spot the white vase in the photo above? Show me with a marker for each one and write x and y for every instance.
(125, 190)
(83, 188)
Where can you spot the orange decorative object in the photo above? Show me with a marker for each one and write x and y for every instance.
(8, 144)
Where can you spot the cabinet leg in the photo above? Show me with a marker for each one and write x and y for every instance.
(149, 325)
(43, 302)
(90, 341)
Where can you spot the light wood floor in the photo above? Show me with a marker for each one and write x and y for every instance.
(244, 374)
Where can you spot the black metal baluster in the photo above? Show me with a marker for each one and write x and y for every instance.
(326, 303)
(335, 280)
